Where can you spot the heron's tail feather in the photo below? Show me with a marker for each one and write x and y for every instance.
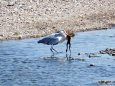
(39, 41)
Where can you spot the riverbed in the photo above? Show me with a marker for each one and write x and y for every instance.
(27, 63)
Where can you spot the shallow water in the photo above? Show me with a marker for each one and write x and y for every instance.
(26, 63)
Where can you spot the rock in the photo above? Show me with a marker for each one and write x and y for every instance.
(91, 64)
(110, 51)
(113, 54)
(79, 54)
(105, 82)
(19, 37)
(91, 56)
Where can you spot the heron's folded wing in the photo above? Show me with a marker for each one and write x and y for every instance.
(49, 41)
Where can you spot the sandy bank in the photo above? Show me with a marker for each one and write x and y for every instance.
(35, 18)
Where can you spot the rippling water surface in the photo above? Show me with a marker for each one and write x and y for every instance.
(26, 63)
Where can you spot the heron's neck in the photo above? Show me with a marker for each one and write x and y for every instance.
(64, 35)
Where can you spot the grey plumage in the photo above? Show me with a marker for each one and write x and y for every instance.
(54, 39)
(49, 41)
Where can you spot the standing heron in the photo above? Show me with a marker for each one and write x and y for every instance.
(55, 39)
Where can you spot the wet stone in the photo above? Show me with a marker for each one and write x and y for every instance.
(110, 51)
(113, 54)
(92, 64)
(105, 82)
(91, 56)
(79, 54)
(19, 37)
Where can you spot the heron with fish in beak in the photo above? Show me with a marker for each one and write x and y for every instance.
(57, 38)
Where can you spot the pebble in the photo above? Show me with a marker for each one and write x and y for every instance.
(91, 64)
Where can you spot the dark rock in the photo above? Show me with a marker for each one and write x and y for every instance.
(91, 64)
(79, 54)
(105, 82)
(110, 51)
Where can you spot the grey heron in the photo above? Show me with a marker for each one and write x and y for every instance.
(55, 39)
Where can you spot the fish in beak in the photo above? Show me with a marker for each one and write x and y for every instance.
(68, 45)
(70, 34)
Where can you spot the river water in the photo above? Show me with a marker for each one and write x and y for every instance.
(26, 63)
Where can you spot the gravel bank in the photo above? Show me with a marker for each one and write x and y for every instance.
(35, 18)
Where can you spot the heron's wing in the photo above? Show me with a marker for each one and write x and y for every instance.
(54, 35)
(49, 40)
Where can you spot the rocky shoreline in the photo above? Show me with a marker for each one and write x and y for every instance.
(21, 19)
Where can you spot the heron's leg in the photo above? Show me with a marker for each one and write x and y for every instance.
(54, 49)
(51, 49)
